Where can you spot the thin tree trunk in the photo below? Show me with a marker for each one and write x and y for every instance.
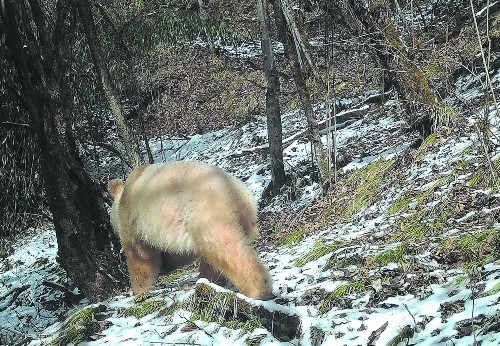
(274, 130)
(204, 17)
(139, 111)
(315, 138)
(293, 48)
(374, 19)
(87, 248)
(130, 143)
(295, 37)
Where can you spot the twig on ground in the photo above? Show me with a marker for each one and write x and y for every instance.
(15, 293)
(198, 327)
(348, 118)
(26, 337)
(412, 316)
(376, 334)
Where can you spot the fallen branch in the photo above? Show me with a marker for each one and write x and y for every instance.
(198, 327)
(376, 334)
(377, 98)
(26, 337)
(15, 293)
(57, 286)
(412, 316)
(345, 118)
(13, 124)
(491, 8)
(69, 296)
(337, 127)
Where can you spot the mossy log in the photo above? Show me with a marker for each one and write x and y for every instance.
(229, 308)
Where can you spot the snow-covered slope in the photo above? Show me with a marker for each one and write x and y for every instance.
(383, 265)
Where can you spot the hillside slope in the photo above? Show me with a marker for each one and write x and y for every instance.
(403, 249)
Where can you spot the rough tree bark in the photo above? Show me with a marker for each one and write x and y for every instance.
(131, 145)
(295, 50)
(274, 130)
(87, 248)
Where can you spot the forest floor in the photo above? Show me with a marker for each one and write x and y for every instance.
(404, 248)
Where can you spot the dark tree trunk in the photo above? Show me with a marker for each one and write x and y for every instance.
(88, 249)
(274, 130)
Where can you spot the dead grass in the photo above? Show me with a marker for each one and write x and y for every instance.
(198, 92)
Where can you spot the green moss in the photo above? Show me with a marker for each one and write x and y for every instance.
(365, 186)
(401, 204)
(146, 307)
(211, 310)
(426, 144)
(391, 32)
(145, 296)
(255, 340)
(467, 150)
(473, 250)
(494, 290)
(446, 114)
(463, 165)
(175, 275)
(340, 263)
(444, 180)
(472, 245)
(485, 178)
(78, 328)
(430, 221)
(411, 227)
(461, 280)
(245, 327)
(319, 250)
(476, 178)
(341, 291)
(432, 71)
(349, 288)
(341, 86)
(396, 256)
(223, 308)
(292, 238)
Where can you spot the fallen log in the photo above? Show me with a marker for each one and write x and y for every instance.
(224, 307)
(344, 119)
